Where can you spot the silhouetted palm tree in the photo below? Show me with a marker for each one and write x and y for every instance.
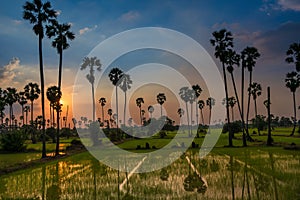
(150, 110)
(54, 94)
(223, 42)
(161, 98)
(293, 55)
(2, 104)
(180, 112)
(26, 110)
(255, 91)
(125, 84)
(32, 92)
(38, 14)
(11, 97)
(292, 82)
(102, 102)
(210, 102)
(231, 101)
(184, 93)
(110, 112)
(201, 105)
(22, 101)
(91, 63)
(114, 76)
(197, 89)
(139, 101)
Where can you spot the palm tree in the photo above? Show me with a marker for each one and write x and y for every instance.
(32, 92)
(114, 76)
(26, 110)
(210, 102)
(91, 63)
(38, 14)
(150, 110)
(2, 105)
(125, 84)
(223, 42)
(180, 112)
(197, 89)
(201, 105)
(102, 102)
(249, 57)
(293, 55)
(110, 112)
(139, 102)
(161, 98)
(11, 96)
(184, 93)
(231, 102)
(22, 101)
(255, 91)
(292, 82)
(53, 95)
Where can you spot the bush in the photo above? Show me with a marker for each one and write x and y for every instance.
(51, 132)
(162, 134)
(13, 141)
(236, 127)
(147, 145)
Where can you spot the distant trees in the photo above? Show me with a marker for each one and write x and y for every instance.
(139, 101)
(102, 102)
(161, 98)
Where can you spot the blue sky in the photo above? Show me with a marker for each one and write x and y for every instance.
(269, 25)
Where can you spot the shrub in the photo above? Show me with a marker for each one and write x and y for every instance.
(236, 127)
(13, 141)
(147, 145)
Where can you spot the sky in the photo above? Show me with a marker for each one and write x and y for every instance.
(269, 25)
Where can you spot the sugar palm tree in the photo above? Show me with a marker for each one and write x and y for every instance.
(26, 110)
(2, 104)
(293, 55)
(255, 91)
(161, 98)
(91, 63)
(32, 92)
(197, 89)
(102, 102)
(114, 76)
(184, 93)
(150, 110)
(180, 112)
(210, 102)
(292, 81)
(249, 57)
(201, 105)
(110, 112)
(223, 42)
(125, 84)
(22, 101)
(39, 14)
(231, 102)
(53, 95)
(139, 101)
(11, 97)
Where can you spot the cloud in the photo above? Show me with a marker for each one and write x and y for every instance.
(130, 16)
(87, 29)
(9, 71)
(289, 4)
(279, 5)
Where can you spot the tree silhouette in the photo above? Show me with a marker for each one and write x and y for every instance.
(39, 14)
(11, 97)
(110, 112)
(255, 91)
(125, 84)
(139, 101)
(197, 89)
(210, 102)
(114, 76)
(184, 94)
(150, 110)
(231, 102)
(292, 81)
(53, 95)
(223, 42)
(293, 55)
(22, 101)
(91, 63)
(2, 104)
(102, 102)
(26, 110)
(32, 92)
(201, 105)
(180, 112)
(161, 98)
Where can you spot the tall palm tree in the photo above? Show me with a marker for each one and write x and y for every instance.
(255, 91)
(26, 110)
(184, 93)
(2, 104)
(292, 82)
(32, 92)
(114, 76)
(293, 55)
(139, 101)
(231, 102)
(210, 102)
(11, 97)
(150, 110)
(91, 63)
(161, 98)
(223, 42)
(180, 112)
(110, 112)
(197, 89)
(62, 34)
(201, 105)
(102, 102)
(249, 57)
(125, 84)
(22, 101)
(39, 14)
(53, 95)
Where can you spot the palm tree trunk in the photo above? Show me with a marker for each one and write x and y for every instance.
(255, 107)
(51, 120)
(248, 107)
(236, 94)
(23, 115)
(269, 140)
(10, 116)
(103, 115)
(42, 94)
(295, 115)
(242, 109)
(230, 136)
(202, 117)
(60, 69)
(93, 96)
(57, 133)
(141, 115)
(160, 110)
(191, 114)
(125, 99)
(232, 114)
(188, 120)
(197, 114)
(117, 107)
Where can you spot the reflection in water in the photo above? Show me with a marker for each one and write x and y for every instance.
(247, 176)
